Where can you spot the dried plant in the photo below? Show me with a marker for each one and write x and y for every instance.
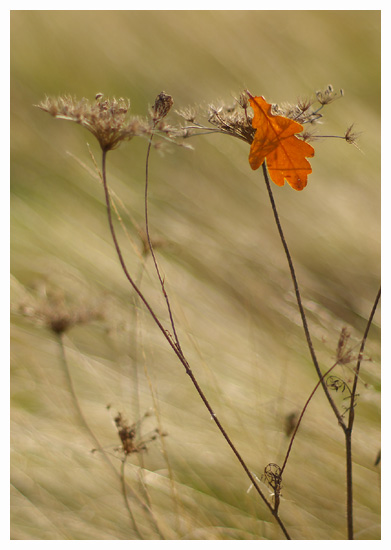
(129, 437)
(236, 119)
(102, 127)
(272, 476)
(109, 122)
(58, 314)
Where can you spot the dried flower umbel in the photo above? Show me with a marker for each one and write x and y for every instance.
(236, 120)
(54, 312)
(109, 120)
(128, 435)
(106, 119)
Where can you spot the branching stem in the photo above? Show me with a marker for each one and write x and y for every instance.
(299, 301)
(302, 414)
(347, 428)
(179, 353)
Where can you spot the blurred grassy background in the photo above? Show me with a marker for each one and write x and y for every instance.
(225, 272)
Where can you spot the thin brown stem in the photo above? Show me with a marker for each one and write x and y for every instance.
(154, 400)
(161, 280)
(299, 300)
(302, 414)
(349, 430)
(179, 353)
(359, 359)
(349, 483)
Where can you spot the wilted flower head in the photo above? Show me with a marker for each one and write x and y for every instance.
(106, 119)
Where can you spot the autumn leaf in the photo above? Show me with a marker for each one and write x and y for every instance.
(275, 141)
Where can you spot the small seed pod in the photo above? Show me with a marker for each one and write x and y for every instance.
(163, 104)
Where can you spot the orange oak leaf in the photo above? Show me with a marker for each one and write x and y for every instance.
(276, 142)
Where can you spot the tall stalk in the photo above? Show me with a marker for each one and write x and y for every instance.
(346, 427)
(349, 429)
(299, 300)
(178, 352)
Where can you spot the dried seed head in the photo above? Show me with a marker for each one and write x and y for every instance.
(351, 137)
(304, 104)
(237, 121)
(128, 435)
(54, 312)
(106, 119)
(163, 104)
(344, 355)
(328, 95)
(272, 475)
(188, 113)
(301, 112)
(243, 100)
(308, 136)
(232, 120)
